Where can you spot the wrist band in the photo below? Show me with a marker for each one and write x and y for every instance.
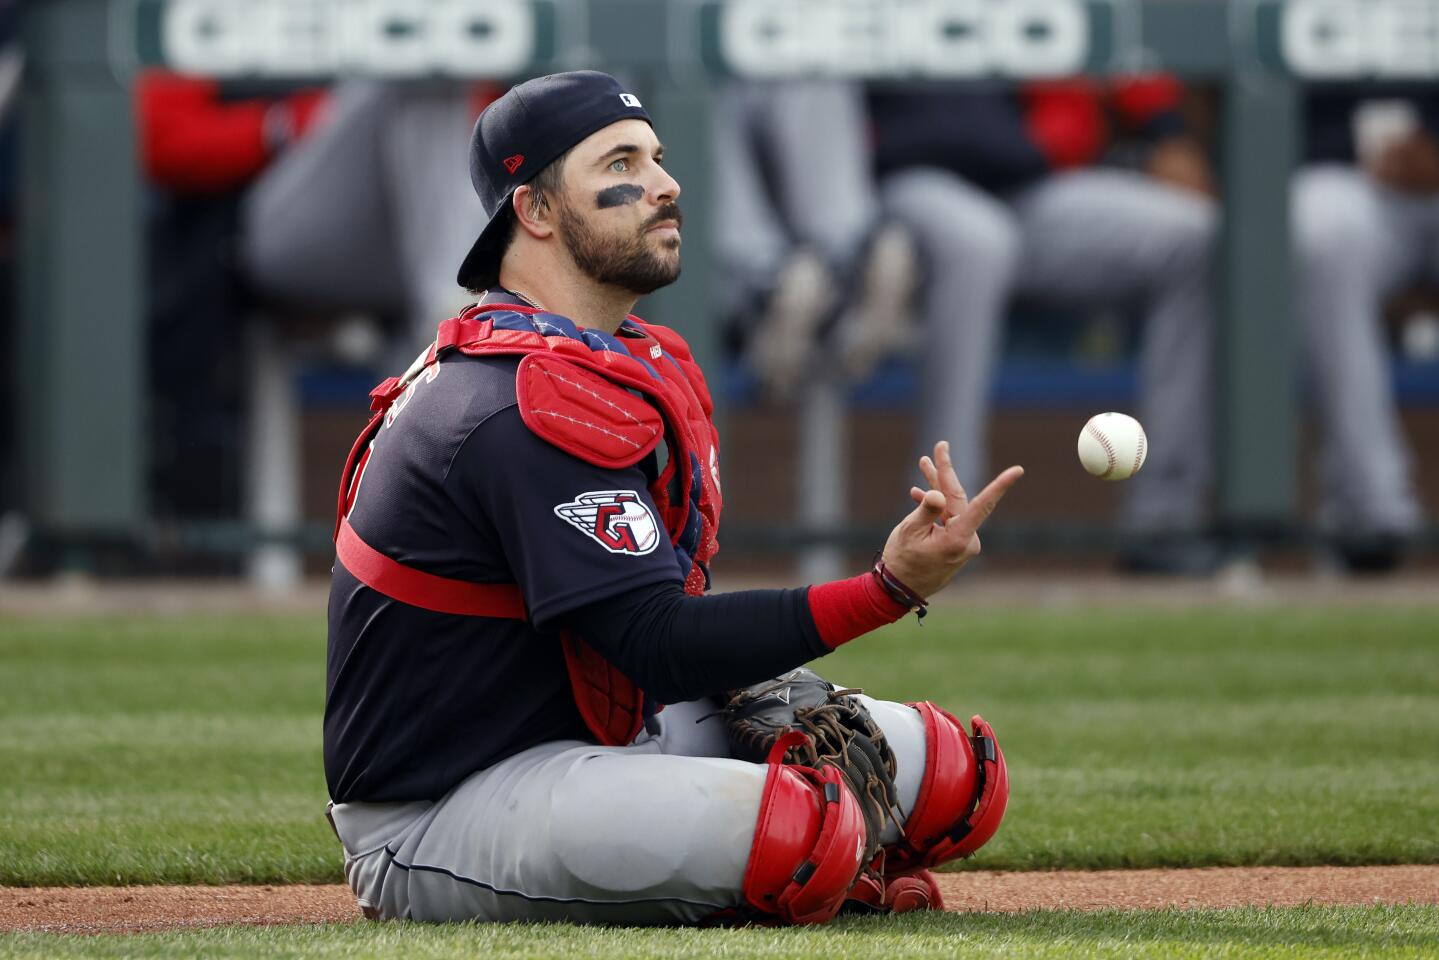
(898, 589)
(845, 609)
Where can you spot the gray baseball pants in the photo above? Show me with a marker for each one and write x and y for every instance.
(1356, 243)
(816, 189)
(373, 209)
(657, 832)
(1090, 236)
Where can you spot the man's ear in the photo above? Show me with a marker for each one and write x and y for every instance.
(534, 219)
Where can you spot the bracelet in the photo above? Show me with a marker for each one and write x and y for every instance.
(898, 589)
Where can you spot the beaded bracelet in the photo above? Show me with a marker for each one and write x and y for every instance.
(898, 589)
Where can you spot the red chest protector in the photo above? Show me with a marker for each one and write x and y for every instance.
(609, 401)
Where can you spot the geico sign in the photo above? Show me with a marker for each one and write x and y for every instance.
(1346, 38)
(303, 37)
(899, 37)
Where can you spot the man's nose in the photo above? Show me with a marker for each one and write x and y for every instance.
(666, 188)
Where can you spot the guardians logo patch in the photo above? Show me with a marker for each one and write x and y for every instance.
(618, 520)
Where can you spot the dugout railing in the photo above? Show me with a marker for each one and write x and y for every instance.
(80, 351)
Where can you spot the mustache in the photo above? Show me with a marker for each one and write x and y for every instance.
(670, 211)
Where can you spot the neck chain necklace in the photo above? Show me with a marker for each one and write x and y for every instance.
(527, 300)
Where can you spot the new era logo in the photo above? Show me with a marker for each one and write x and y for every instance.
(630, 100)
(513, 163)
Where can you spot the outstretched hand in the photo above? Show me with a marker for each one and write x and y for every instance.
(941, 534)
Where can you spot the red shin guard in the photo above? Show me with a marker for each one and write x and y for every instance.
(961, 798)
(808, 845)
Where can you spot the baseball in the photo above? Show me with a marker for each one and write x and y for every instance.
(1112, 446)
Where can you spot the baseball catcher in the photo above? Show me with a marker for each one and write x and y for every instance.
(534, 709)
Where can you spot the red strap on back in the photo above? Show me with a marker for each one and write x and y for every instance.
(612, 707)
(425, 590)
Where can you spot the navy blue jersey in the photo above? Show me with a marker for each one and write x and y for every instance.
(457, 486)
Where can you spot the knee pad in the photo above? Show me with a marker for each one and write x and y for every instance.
(962, 796)
(808, 845)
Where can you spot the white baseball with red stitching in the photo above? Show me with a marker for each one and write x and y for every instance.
(1112, 446)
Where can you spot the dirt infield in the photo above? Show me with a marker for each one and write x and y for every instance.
(136, 909)
(1210, 887)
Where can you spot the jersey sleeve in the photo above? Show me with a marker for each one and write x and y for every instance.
(572, 533)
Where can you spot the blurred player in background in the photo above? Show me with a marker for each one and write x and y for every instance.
(350, 195)
(370, 206)
(1365, 213)
(1004, 194)
(339, 199)
(202, 145)
(819, 282)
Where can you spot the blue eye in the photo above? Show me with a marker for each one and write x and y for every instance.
(620, 166)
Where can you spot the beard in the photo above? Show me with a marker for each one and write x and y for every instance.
(631, 264)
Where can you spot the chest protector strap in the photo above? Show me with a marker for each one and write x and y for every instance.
(576, 395)
(425, 590)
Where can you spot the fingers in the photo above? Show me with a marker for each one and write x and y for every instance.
(930, 508)
(944, 484)
(948, 479)
(939, 473)
(931, 475)
(984, 503)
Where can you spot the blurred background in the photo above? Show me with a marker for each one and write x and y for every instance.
(223, 221)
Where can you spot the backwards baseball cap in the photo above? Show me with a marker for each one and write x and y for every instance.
(523, 132)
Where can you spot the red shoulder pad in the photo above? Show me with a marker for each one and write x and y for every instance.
(584, 414)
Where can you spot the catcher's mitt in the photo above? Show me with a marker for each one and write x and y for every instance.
(838, 731)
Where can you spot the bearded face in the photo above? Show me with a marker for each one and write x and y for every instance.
(615, 251)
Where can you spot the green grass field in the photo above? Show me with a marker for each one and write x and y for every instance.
(1307, 933)
(187, 751)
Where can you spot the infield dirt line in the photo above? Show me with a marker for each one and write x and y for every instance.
(138, 909)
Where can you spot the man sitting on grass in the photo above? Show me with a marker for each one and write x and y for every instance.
(523, 544)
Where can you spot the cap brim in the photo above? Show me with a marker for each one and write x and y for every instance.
(481, 267)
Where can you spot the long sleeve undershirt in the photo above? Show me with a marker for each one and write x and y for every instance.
(677, 647)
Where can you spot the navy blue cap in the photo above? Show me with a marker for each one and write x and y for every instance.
(519, 135)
